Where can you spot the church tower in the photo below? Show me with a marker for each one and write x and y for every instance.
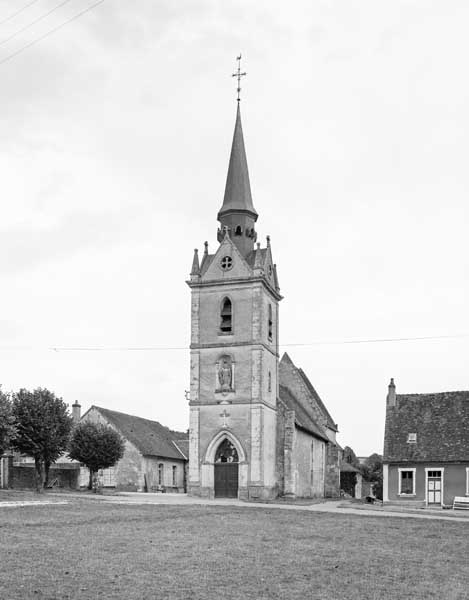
(234, 351)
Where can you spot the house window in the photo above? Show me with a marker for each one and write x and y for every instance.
(175, 476)
(407, 482)
(269, 387)
(108, 477)
(226, 316)
(160, 474)
(269, 323)
(411, 438)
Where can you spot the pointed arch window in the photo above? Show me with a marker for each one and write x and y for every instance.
(269, 323)
(226, 316)
(238, 230)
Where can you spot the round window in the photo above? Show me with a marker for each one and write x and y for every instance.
(226, 263)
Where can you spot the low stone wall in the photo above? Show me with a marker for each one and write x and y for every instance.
(62, 475)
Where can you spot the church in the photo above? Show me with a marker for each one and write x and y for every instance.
(258, 428)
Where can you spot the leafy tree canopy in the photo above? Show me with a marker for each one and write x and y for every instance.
(350, 457)
(43, 427)
(96, 445)
(7, 422)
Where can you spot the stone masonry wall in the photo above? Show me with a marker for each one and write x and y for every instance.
(332, 478)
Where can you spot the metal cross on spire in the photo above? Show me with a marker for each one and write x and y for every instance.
(238, 75)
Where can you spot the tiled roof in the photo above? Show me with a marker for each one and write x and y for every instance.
(309, 385)
(149, 437)
(441, 422)
(302, 418)
(346, 467)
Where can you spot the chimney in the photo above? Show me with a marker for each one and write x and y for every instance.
(76, 412)
(391, 397)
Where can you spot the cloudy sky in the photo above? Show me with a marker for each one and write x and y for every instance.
(115, 137)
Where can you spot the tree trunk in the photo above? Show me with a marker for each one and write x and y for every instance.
(90, 483)
(39, 464)
(46, 470)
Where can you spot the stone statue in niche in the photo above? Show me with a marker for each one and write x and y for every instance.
(225, 374)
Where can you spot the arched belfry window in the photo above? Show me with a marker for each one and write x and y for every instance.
(226, 316)
(226, 452)
(238, 230)
(269, 323)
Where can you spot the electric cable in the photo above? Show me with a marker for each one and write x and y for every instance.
(50, 32)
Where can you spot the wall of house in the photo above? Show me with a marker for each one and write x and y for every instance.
(129, 471)
(454, 482)
(151, 470)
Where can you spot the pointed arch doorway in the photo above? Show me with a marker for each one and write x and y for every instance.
(226, 470)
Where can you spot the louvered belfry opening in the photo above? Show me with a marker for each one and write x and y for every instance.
(270, 323)
(226, 325)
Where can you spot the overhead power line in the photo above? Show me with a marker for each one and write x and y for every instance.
(185, 348)
(50, 32)
(12, 16)
(40, 18)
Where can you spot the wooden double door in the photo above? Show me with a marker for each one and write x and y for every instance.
(226, 480)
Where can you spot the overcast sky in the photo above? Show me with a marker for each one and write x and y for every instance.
(114, 147)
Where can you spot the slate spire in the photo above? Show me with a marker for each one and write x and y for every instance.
(238, 189)
(237, 212)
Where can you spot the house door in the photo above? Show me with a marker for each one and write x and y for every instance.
(434, 487)
(226, 470)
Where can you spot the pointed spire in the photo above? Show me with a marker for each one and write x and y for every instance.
(238, 189)
(195, 271)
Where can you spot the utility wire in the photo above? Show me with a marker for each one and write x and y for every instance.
(185, 348)
(18, 12)
(50, 32)
(40, 18)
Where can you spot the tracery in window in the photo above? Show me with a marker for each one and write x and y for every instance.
(226, 452)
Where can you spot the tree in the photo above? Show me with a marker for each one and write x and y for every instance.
(350, 457)
(96, 446)
(7, 422)
(43, 429)
(373, 473)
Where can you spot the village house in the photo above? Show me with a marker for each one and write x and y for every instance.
(155, 457)
(258, 429)
(426, 448)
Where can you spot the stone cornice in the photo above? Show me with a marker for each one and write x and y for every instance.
(231, 345)
(234, 281)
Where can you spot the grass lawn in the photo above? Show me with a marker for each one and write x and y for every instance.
(90, 549)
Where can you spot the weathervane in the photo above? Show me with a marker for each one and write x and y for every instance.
(238, 75)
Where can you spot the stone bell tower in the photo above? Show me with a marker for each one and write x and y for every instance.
(234, 351)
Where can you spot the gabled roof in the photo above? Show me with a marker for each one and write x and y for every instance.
(149, 437)
(309, 385)
(299, 384)
(441, 422)
(302, 419)
(346, 467)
